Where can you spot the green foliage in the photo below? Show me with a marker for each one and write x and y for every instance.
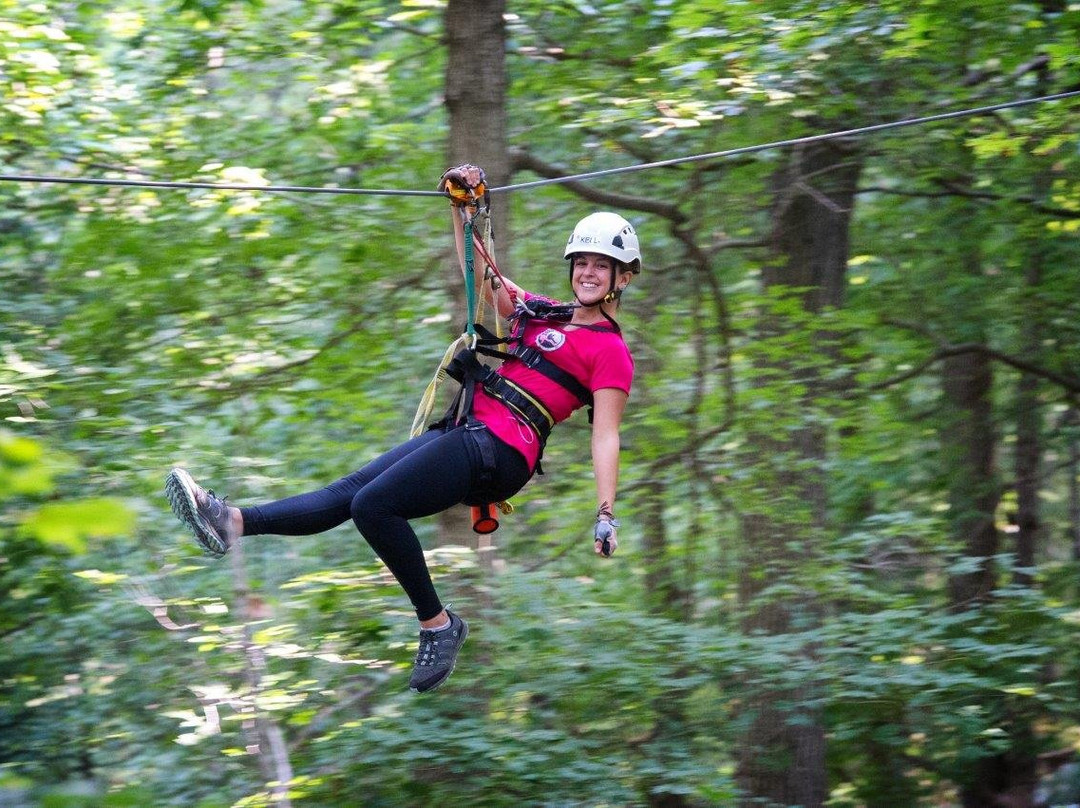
(274, 342)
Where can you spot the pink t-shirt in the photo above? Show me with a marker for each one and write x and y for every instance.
(596, 357)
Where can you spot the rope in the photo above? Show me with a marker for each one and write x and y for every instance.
(493, 279)
(696, 158)
(474, 302)
(427, 400)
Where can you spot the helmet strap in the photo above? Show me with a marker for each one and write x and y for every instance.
(614, 293)
(611, 320)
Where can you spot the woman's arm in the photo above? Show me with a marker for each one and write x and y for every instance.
(470, 177)
(501, 298)
(608, 406)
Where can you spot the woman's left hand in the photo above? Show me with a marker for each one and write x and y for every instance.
(605, 537)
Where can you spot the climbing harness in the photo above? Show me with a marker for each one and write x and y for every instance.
(462, 359)
(466, 368)
(459, 361)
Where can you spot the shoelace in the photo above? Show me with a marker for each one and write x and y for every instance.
(215, 505)
(427, 654)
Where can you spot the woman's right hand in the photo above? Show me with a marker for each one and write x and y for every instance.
(465, 185)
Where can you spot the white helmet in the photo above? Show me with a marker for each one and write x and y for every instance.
(607, 234)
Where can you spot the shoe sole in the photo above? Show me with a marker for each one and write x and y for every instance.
(180, 490)
(429, 688)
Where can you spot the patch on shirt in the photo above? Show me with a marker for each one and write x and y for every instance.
(550, 340)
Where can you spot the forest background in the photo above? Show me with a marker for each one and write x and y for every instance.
(848, 571)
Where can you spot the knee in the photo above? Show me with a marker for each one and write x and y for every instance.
(360, 509)
(369, 513)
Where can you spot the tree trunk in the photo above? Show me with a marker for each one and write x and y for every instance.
(475, 94)
(966, 430)
(967, 440)
(782, 761)
(661, 590)
(813, 198)
(1028, 453)
(476, 85)
(266, 739)
(1072, 471)
(1029, 412)
(967, 443)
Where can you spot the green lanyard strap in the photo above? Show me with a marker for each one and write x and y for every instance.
(470, 281)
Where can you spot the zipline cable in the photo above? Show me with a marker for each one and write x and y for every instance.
(798, 141)
(216, 186)
(696, 158)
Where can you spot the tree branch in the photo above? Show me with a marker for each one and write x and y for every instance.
(946, 350)
(141, 594)
(737, 244)
(951, 191)
(318, 722)
(521, 160)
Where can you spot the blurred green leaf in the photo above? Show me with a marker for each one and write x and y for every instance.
(70, 524)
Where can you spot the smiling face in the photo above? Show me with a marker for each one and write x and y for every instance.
(591, 276)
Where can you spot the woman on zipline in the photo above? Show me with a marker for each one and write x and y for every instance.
(559, 357)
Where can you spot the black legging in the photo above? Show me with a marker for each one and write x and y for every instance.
(424, 476)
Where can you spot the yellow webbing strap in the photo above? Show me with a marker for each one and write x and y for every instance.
(427, 400)
(543, 411)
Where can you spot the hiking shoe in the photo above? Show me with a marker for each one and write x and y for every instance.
(437, 654)
(206, 515)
